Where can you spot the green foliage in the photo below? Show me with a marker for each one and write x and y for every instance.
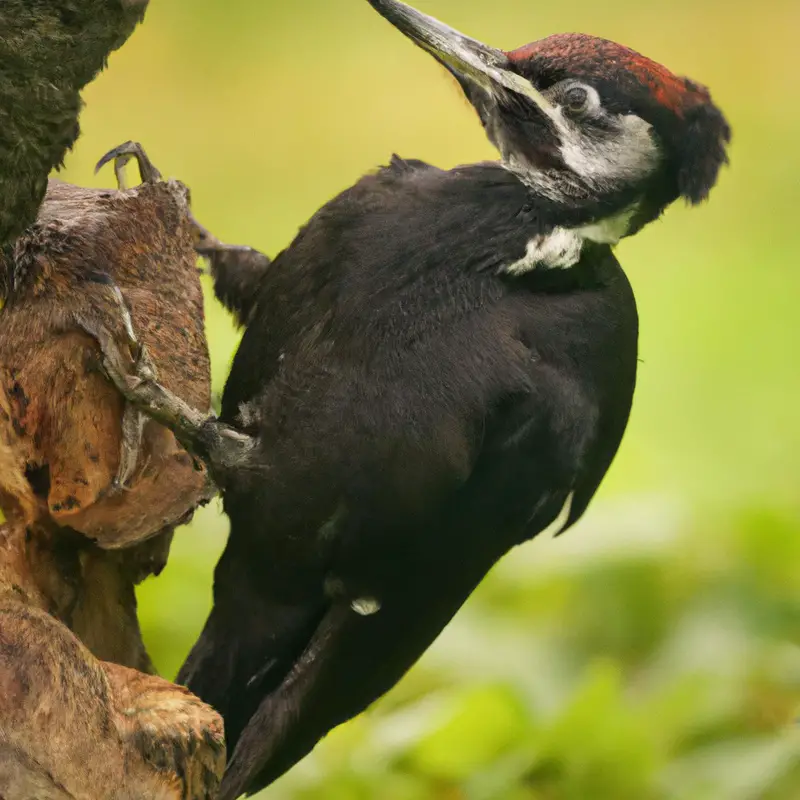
(653, 652)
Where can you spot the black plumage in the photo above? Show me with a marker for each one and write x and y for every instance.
(438, 368)
(417, 417)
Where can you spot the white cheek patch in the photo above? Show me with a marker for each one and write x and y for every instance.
(597, 165)
(627, 156)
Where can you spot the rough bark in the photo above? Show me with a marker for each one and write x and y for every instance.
(61, 421)
(75, 720)
(73, 727)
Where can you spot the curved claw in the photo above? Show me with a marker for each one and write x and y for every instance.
(133, 420)
(115, 295)
(121, 155)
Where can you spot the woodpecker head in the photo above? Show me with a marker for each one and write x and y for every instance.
(583, 119)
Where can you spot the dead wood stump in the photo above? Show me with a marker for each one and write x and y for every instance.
(80, 715)
(60, 419)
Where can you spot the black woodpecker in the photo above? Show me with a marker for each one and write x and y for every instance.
(439, 367)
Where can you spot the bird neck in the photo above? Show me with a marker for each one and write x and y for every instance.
(564, 227)
(562, 246)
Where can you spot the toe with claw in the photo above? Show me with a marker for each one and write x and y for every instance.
(221, 447)
(133, 420)
(121, 155)
(237, 270)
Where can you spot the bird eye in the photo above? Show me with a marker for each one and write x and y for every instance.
(576, 100)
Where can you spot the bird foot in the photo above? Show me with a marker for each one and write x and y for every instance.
(237, 270)
(208, 245)
(221, 447)
(133, 420)
(121, 155)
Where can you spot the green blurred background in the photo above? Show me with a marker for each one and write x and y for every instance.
(654, 651)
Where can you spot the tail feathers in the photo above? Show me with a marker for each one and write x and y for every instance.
(238, 660)
(351, 660)
(348, 661)
(278, 734)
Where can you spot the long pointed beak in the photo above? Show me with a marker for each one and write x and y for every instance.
(467, 57)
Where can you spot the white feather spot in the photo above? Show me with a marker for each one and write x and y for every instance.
(366, 606)
(561, 248)
(558, 523)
